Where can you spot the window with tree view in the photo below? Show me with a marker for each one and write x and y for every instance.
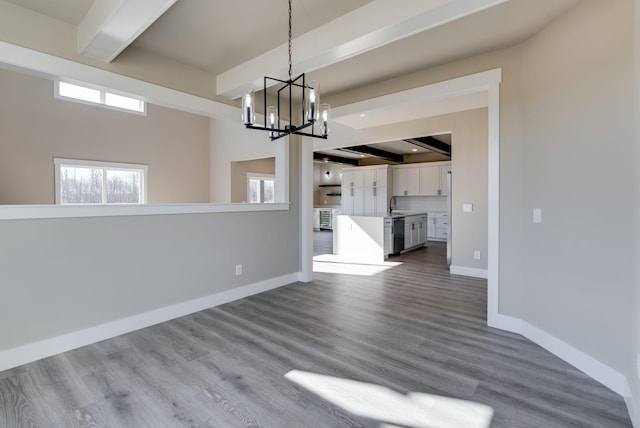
(261, 189)
(91, 182)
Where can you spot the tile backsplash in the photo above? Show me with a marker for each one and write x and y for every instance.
(421, 203)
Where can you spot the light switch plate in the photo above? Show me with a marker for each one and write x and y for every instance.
(537, 215)
(476, 255)
(467, 208)
(238, 270)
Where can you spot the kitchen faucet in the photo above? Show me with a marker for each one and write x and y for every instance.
(392, 204)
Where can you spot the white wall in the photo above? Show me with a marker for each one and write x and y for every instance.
(68, 282)
(320, 194)
(578, 130)
(239, 171)
(229, 142)
(54, 280)
(35, 127)
(634, 357)
(565, 132)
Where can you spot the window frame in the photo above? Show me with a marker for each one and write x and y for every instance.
(105, 166)
(261, 177)
(103, 95)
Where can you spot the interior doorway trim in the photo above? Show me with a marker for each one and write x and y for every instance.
(486, 81)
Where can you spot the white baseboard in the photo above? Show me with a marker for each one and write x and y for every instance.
(45, 348)
(467, 271)
(505, 322)
(604, 374)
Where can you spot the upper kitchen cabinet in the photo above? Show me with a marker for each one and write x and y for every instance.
(421, 179)
(430, 181)
(364, 190)
(406, 181)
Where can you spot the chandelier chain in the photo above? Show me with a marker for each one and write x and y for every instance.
(289, 39)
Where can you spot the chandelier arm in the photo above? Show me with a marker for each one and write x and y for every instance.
(290, 40)
(272, 118)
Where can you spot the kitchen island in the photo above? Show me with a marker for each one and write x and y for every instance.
(371, 239)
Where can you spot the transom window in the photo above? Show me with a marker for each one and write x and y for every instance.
(260, 188)
(82, 182)
(102, 97)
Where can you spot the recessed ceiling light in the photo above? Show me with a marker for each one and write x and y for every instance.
(362, 115)
(362, 156)
(414, 150)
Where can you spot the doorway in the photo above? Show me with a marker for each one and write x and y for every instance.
(487, 82)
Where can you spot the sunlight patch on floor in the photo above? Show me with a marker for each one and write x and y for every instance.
(415, 410)
(331, 263)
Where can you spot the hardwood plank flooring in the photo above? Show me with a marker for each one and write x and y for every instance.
(412, 328)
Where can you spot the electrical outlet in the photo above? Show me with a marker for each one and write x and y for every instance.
(476, 255)
(467, 208)
(238, 270)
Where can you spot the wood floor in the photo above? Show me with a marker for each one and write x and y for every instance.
(412, 328)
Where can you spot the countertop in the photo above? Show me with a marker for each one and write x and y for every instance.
(405, 213)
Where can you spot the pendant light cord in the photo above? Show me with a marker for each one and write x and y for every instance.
(289, 39)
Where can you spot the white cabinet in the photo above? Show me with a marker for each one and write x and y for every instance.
(423, 230)
(375, 201)
(420, 180)
(406, 181)
(429, 181)
(415, 231)
(388, 237)
(364, 191)
(431, 225)
(438, 226)
(433, 180)
(408, 231)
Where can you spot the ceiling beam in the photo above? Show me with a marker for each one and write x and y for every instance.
(431, 144)
(111, 25)
(375, 152)
(335, 159)
(371, 26)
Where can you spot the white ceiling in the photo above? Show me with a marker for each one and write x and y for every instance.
(391, 38)
(217, 35)
(69, 11)
(402, 113)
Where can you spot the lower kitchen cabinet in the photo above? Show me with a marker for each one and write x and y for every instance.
(438, 226)
(388, 236)
(415, 231)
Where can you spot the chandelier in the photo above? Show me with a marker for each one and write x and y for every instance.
(312, 113)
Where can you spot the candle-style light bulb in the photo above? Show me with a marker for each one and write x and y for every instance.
(314, 100)
(247, 107)
(324, 114)
(271, 120)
